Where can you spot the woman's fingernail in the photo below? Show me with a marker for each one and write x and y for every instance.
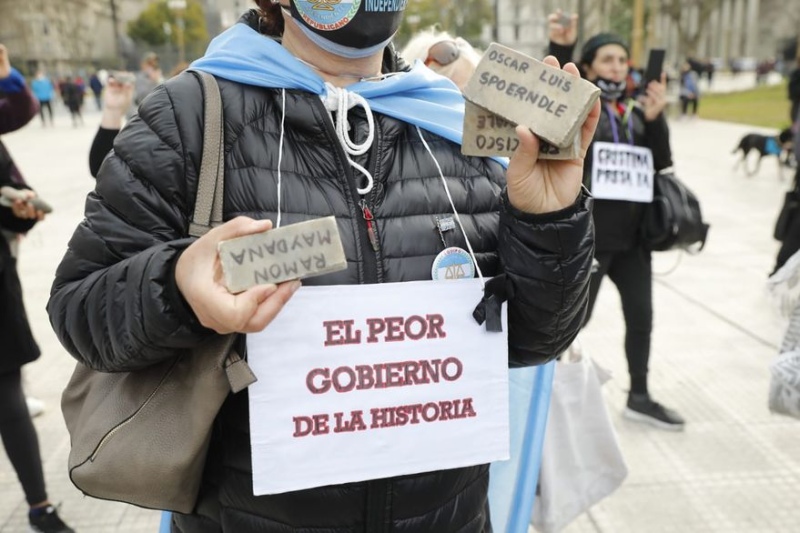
(296, 285)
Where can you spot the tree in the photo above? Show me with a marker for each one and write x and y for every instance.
(689, 34)
(157, 17)
(461, 18)
(621, 17)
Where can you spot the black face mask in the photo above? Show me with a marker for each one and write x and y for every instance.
(611, 90)
(349, 28)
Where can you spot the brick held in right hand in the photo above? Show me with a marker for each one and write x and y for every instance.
(549, 101)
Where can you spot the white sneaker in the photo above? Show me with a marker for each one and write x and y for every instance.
(35, 406)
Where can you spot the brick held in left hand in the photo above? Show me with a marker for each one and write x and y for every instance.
(297, 251)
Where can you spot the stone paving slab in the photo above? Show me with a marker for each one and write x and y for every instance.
(735, 469)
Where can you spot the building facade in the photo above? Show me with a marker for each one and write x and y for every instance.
(62, 36)
(755, 29)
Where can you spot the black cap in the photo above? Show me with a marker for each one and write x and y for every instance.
(591, 46)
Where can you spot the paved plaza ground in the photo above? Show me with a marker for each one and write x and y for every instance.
(736, 468)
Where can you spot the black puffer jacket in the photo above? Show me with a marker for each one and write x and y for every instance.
(618, 223)
(115, 306)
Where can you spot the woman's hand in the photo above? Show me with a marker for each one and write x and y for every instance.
(655, 98)
(559, 33)
(543, 186)
(199, 278)
(5, 64)
(117, 98)
(25, 210)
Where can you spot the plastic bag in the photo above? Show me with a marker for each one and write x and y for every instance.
(582, 462)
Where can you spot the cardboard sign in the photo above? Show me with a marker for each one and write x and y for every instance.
(490, 135)
(552, 103)
(296, 251)
(622, 172)
(362, 382)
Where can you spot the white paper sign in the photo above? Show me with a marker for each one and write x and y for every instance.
(360, 382)
(622, 172)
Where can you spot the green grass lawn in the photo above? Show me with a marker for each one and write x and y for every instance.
(764, 106)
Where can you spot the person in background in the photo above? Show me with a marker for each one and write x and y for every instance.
(794, 95)
(709, 71)
(619, 251)
(690, 90)
(143, 290)
(633, 82)
(97, 89)
(72, 94)
(148, 78)
(117, 98)
(452, 57)
(44, 91)
(791, 241)
(17, 107)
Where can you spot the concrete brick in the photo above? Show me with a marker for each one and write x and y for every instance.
(490, 135)
(290, 252)
(552, 103)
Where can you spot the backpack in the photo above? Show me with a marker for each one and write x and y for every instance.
(673, 220)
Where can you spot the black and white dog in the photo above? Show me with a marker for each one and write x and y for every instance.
(765, 145)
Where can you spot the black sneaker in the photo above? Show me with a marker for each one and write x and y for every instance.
(642, 408)
(48, 521)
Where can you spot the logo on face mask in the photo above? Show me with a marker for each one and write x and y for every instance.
(609, 89)
(327, 15)
(349, 28)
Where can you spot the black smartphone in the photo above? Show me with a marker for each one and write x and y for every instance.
(655, 65)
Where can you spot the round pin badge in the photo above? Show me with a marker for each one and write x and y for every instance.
(327, 15)
(453, 263)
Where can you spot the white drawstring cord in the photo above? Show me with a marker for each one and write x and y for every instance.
(340, 101)
(280, 154)
(453, 205)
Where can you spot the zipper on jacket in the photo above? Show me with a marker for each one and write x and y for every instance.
(379, 503)
(378, 497)
(371, 273)
(373, 237)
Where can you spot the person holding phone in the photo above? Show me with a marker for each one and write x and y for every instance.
(117, 99)
(625, 125)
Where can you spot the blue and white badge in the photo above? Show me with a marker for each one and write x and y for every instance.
(327, 15)
(453, 263)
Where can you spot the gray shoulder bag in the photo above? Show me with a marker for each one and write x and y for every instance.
(142, 437)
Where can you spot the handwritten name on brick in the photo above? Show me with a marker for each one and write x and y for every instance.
(522, 90)
(292, 252)
(490, 135)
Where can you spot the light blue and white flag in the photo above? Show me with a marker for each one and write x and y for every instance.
(512, 483)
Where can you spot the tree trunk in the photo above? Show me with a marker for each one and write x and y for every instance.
(689, 40)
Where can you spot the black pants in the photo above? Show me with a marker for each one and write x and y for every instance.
(631, 272)
(19, 437)
(685, 102)
(49, 107)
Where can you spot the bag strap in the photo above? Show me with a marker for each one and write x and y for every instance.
(211, 184)
(208, 208)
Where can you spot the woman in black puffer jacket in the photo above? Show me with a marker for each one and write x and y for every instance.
(132, 288)
(625, 125)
